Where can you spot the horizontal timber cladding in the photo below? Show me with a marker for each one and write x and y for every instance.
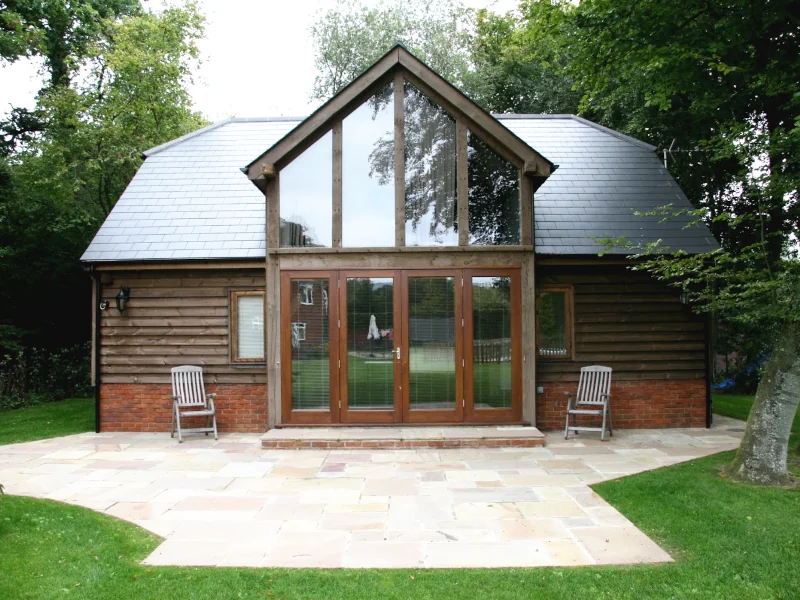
(174, 317)
(628, 321)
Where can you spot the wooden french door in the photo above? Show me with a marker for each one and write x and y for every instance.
(391, 346)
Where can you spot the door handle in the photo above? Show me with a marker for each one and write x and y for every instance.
(398, 353)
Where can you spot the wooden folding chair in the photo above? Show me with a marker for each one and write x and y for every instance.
(594, 390)
(189, 399)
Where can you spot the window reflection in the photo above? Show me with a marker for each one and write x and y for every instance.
(494, 210)
(368, 208)
(491, 343)
(430, 172)
(307, 197)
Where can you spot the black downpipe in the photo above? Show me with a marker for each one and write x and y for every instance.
(96, 347)
(709, 330)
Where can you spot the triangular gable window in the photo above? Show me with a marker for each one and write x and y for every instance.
(404, 159)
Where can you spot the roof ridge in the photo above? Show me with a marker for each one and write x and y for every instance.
(183, 138)
(603, 128)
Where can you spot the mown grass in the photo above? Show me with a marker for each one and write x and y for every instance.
(729, 540)
(54, 419)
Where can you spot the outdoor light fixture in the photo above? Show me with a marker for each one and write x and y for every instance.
(122, 298)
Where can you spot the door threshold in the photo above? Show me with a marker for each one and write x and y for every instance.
(401, 425)
(403, 437)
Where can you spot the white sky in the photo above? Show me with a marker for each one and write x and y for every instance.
(258, 59)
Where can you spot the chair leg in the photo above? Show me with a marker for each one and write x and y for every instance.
(214, 421)
(566, 429)
(603, 429)
(180, 435)
(610, 425)
(172, 424)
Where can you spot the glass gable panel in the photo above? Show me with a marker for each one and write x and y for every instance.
(494, 209)
(430, 172)
(368, 173)
(306, 197)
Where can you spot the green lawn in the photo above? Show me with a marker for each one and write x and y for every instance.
(54, 419)
(730, 541)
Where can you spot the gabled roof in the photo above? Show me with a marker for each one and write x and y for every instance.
(603, 177)
(430, 83)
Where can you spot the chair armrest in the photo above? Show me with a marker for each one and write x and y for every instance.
(210, 399)
(570, 399)
(211, 395)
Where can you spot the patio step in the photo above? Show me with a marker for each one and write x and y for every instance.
(403, 437)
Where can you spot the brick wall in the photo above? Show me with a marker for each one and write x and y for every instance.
(241, 408)
(634, 404)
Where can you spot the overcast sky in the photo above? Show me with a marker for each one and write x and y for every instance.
(258, 59)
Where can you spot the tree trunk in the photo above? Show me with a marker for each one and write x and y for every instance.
(762, 456)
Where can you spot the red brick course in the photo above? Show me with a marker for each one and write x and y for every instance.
(241, 408)
(648, 404)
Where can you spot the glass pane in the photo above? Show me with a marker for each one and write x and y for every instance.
(368, 172)
(552, 310)
(250, 328)
(491, 346)
(307, 196)
(494, 211)
(432, 344)
(310, 344)
(430, 156)
(370, 341)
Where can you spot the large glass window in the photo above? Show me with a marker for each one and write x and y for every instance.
(247, 326)
(494, 210)
(430, 172)
(306, 197)
(491, 341)
(554, 322)
(368, 207)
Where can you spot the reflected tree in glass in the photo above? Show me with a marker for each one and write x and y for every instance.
(494, 209)
(491, 345)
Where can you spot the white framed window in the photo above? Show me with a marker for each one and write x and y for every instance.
(247, 326)
(298, 332)
(306, 293)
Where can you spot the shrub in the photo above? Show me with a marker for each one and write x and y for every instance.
(32, 376)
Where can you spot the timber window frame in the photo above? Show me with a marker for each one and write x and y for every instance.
(569, 322)
(235, 326)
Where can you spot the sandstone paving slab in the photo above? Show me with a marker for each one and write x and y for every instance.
(231, 503)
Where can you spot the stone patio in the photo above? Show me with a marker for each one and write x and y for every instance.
(232, 503)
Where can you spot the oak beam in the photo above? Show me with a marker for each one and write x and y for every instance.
(337, 184)
(462, 183)
(399, 161)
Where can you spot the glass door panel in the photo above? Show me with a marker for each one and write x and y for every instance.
(369, 341)
(310, 373)
(492, 346)
(433, 353)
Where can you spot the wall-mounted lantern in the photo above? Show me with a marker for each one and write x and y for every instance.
(122, 298)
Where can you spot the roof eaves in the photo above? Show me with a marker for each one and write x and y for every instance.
(611, 132)
(188, 136)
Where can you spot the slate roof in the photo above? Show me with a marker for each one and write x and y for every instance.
(190, 200)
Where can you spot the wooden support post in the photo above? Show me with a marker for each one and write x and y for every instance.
(526, 209)
(528, 339)
(337, 184)
(399, 161)
(462, 183)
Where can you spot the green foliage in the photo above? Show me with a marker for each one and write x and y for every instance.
(351, 36)
(35, 375)
(59, 180)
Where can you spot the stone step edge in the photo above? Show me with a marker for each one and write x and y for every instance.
(405, 444)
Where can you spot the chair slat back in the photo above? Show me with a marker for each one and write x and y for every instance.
(594, 383)
(187, 385)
